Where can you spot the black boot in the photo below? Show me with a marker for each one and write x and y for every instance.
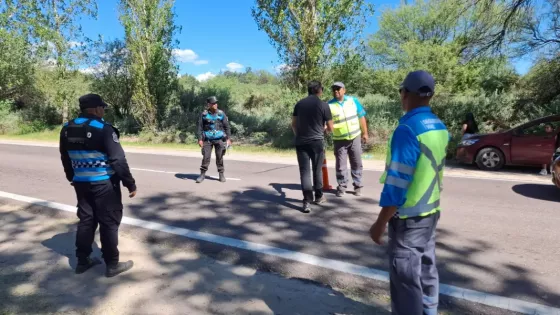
(86, 264)
(201, 178)
(222, 178)
(119, 268)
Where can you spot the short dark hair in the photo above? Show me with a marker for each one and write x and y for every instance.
(314, 87)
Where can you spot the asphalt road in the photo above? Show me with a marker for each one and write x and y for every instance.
(499, 237)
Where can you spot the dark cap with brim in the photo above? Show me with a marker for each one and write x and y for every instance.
(91, 101)
(212, 100)
(419, 82)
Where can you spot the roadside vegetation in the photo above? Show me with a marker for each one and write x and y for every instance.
(469, 46)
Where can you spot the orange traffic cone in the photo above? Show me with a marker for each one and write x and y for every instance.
(326, 185)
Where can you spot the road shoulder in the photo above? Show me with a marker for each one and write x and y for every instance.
(36, 262)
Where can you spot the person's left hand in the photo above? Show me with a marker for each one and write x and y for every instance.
(376, 232)
(228, 142)
(365, 137)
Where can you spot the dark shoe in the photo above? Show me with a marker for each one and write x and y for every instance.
(320, 200)
(201, 178)
(118, 268)
(306, 207)
(340, 192)
(222, 178)
(84, 266)
(358, 191)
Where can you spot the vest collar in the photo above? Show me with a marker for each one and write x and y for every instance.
(89, 116)
(417, 110)
(335, 100)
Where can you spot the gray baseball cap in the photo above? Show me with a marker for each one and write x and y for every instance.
(419, 82)
(212, 100)
(338, 84)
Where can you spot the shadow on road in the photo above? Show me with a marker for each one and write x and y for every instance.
(33, 281)
(337, 230)
(193, 177)
(546, 192)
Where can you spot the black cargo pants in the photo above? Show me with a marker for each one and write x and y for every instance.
(99, 203)
(220, 149)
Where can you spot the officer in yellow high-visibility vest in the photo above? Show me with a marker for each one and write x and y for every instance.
(349, 122)
(410, 199)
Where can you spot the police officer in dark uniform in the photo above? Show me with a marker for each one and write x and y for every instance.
(213, 132)
(95, 164)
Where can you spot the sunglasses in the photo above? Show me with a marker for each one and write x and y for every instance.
(336, 88)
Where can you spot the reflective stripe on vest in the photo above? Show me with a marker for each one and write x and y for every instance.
(429, 201)
(345, 120)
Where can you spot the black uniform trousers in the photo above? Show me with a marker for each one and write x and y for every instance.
(314, 152)
(99, 203)
(220, 149)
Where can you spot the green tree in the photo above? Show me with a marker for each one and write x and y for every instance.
(56, 29)
(309, 35)
(441, 36)
(149, 29)
(112, 79)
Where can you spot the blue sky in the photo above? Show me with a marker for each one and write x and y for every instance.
(217, 35)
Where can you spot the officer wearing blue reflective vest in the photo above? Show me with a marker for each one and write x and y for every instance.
(410, 199)
(95, 164)
(213, 132)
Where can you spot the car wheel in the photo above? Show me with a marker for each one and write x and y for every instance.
(490, 159)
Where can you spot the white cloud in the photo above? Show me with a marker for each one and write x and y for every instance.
(281, 68)
(205, 76)
(74, 44)
(188, 56)
(234, 66)
(98, 68)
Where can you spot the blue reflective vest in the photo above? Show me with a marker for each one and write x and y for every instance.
(84, 143)
(213, 125)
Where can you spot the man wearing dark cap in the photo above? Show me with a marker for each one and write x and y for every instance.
(95, 164)
(349, 123)
(410, 199)
(213, 132)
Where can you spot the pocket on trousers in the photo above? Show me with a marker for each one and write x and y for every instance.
(401, 265)
(418, 231)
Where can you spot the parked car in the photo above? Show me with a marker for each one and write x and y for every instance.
(528, 144)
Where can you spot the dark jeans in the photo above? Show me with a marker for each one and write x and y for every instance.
(220, 149)
(99, 203)
(414, 279)
(315, 152)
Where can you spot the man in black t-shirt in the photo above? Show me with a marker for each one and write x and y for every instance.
(311, 118)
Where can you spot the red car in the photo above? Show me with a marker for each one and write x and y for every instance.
(529, 144)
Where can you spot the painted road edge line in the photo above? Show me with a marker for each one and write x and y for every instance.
(515, 305)
(170, 172)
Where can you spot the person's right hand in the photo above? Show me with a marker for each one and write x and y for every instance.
(132, 194)
(200, 143)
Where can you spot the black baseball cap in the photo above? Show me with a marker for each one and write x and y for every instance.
(419, 82)
(91, 101)
(212, 100)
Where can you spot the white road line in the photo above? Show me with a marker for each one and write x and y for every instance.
(169, 172)
(513, 305)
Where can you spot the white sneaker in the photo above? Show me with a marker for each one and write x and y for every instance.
(544, 172)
